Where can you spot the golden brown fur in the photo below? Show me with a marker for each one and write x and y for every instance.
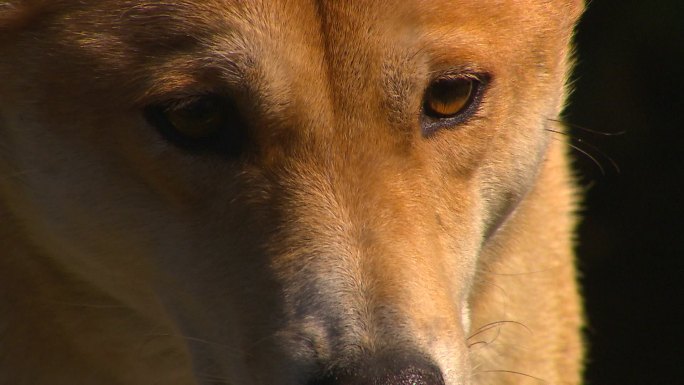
(339, 240)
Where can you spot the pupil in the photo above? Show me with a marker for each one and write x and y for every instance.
(201, 111)
(448, 91)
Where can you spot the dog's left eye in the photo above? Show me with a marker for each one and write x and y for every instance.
(450, 100)
(200, 123)
(197, 120)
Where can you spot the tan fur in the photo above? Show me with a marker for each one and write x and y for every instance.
(341, 234)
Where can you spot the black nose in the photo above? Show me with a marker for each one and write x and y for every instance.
(383, 372)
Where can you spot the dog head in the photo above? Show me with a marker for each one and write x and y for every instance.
(308, 189)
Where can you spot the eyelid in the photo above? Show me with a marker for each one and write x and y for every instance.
(457, 75)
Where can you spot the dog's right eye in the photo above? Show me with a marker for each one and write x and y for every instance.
(203, 123)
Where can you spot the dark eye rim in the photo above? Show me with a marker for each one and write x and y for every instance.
(431, 124)
(228, 140)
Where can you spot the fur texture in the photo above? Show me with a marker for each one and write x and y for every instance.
(340, 237)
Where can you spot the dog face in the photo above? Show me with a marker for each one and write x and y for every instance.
(294, 192)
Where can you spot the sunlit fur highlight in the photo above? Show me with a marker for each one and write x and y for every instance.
(341, 236)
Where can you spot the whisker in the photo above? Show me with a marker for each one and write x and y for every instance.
(491, 325)
(478, 343)
(212, 379)
(229, 349)
(86, 305)
(585, 129)
(594, 159)
(512, 372)
(251, 347)
(485, 328)
(588, 155)
(579, 141)
(206, 342)
(542, 271)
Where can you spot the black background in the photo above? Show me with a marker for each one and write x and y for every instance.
(630, 79)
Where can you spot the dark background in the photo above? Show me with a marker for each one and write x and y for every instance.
(630, 80)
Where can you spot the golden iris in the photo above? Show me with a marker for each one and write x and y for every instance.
(447, 97)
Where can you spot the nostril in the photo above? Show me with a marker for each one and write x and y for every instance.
(411, 374)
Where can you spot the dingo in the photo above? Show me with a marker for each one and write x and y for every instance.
(286, 192)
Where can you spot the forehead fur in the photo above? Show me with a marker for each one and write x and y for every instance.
(156, 23)
(14, 13)
(179, 37)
